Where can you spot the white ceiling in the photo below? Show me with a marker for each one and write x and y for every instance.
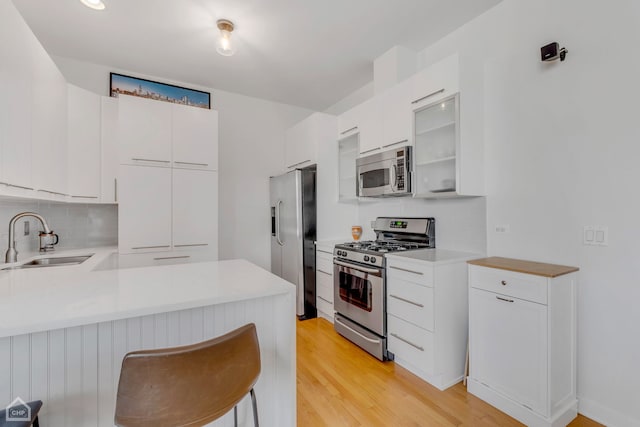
(300, 52)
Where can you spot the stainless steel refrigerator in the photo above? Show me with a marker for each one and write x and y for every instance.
(293, 233)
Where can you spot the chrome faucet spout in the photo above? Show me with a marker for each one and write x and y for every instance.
(12, 253)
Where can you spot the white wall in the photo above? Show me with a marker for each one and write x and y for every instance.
(251, 138)
(562, 152)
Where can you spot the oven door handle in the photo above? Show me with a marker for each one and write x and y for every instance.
(357, 267)
(364, 337)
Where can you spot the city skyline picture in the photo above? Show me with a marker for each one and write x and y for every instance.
(143, 88)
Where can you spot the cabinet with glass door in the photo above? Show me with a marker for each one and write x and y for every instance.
(437, 142)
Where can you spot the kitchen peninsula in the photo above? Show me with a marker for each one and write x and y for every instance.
(64, 330)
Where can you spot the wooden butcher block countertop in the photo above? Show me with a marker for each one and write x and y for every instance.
(522, 266)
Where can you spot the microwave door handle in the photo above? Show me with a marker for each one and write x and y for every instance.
(280, 242)
(394, 172)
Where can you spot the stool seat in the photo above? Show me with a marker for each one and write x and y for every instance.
(19, 420)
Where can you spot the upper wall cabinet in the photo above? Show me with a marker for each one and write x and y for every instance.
(109, 149)
(144, 131)
(84, 114)
(195, 137)
(302, 140)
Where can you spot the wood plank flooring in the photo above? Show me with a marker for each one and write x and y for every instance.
(341, 385)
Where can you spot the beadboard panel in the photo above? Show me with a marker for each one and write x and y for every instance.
(75, 371)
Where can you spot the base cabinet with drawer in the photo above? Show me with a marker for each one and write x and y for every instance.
(324, 283)
(427, 314)
(522, 333)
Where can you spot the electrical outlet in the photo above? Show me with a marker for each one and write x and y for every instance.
(503, 228)
(26, 228)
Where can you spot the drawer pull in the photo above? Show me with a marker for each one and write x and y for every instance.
(408, 271)
(328, 274)
(406, 300)
(192, 164)
(149, 160)
(504, 299)
(325, 300)
(406, 341)
(190, 245)
(504, 283)
(151, 247)
(172, 257)
(427, 96)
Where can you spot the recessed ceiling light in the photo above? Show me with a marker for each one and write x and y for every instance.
(94, 4)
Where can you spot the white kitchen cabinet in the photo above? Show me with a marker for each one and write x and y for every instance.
(144, 131)
(195, 210)
(396, 116)
(324, 283)
(302, 139)
(195, 137)
(438, 81)
(427, 313)
(84, 153)
(49, 130)
(370, 128)
(522, 339)
(348, 150)
(144, 212)
(109, 149)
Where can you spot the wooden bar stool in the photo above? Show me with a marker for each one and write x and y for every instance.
(191, 385)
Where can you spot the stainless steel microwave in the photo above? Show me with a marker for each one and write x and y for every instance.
(385, 174)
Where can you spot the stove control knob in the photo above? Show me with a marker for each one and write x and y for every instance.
(366, 257)
(373, 259)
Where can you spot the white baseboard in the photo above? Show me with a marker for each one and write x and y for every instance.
(604, 415)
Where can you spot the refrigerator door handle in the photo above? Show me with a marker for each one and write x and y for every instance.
(280, 242)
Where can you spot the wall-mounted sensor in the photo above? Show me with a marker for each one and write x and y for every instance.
(553, 51)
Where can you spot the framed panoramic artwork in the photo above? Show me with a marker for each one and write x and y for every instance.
(143, 88)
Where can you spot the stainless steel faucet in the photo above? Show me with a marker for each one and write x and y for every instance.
(12, 253)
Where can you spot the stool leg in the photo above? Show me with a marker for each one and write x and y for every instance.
(36, 423)
(235, 416)
(255, 408)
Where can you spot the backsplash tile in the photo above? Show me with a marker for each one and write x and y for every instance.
(77, 225)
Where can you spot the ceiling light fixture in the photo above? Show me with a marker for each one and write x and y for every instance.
(94, 4)
(224, 46)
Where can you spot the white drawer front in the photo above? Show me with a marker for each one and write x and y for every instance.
(419, 273)
(324, 263)
(411, 302)
(324, 286)
(324, 306)
(519, 285)
(410, 343)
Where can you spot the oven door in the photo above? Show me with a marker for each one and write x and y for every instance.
(377, 179)
(359, 294)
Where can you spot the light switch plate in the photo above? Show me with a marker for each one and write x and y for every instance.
(595, 235)
(588, 235)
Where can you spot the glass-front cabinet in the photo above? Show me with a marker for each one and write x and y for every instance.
(437, 142)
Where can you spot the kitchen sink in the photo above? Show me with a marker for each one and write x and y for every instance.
(51, 262)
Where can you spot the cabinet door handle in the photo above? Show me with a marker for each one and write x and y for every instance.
(324, 272)
(327, 301)
(406, 270)
(151, 247)
(427, 96)
(349, 130)
(17, 186)
(407, 341)
(298, 164)
(51, 192)
(406, 300)
(504, 299)
(193, 164)
(368, 151)
(84, 197)
(190, 245)
(171, 257)
(395, 143)
(504, 283)
(150, 160)
(115, 189)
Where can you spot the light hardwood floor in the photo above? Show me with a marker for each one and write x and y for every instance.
(341, 385)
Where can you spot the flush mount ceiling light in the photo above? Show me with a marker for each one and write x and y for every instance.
(94, 4)
(224, 46)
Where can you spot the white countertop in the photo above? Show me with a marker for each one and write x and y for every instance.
(327, 245)
(39, 299)
(435, 256)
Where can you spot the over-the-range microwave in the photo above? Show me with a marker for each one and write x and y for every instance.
(385, 174)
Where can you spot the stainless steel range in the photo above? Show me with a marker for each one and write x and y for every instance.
(359, 279)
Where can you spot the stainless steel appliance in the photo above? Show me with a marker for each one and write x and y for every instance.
(385, 174)
(359, 279)
(293, 233)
